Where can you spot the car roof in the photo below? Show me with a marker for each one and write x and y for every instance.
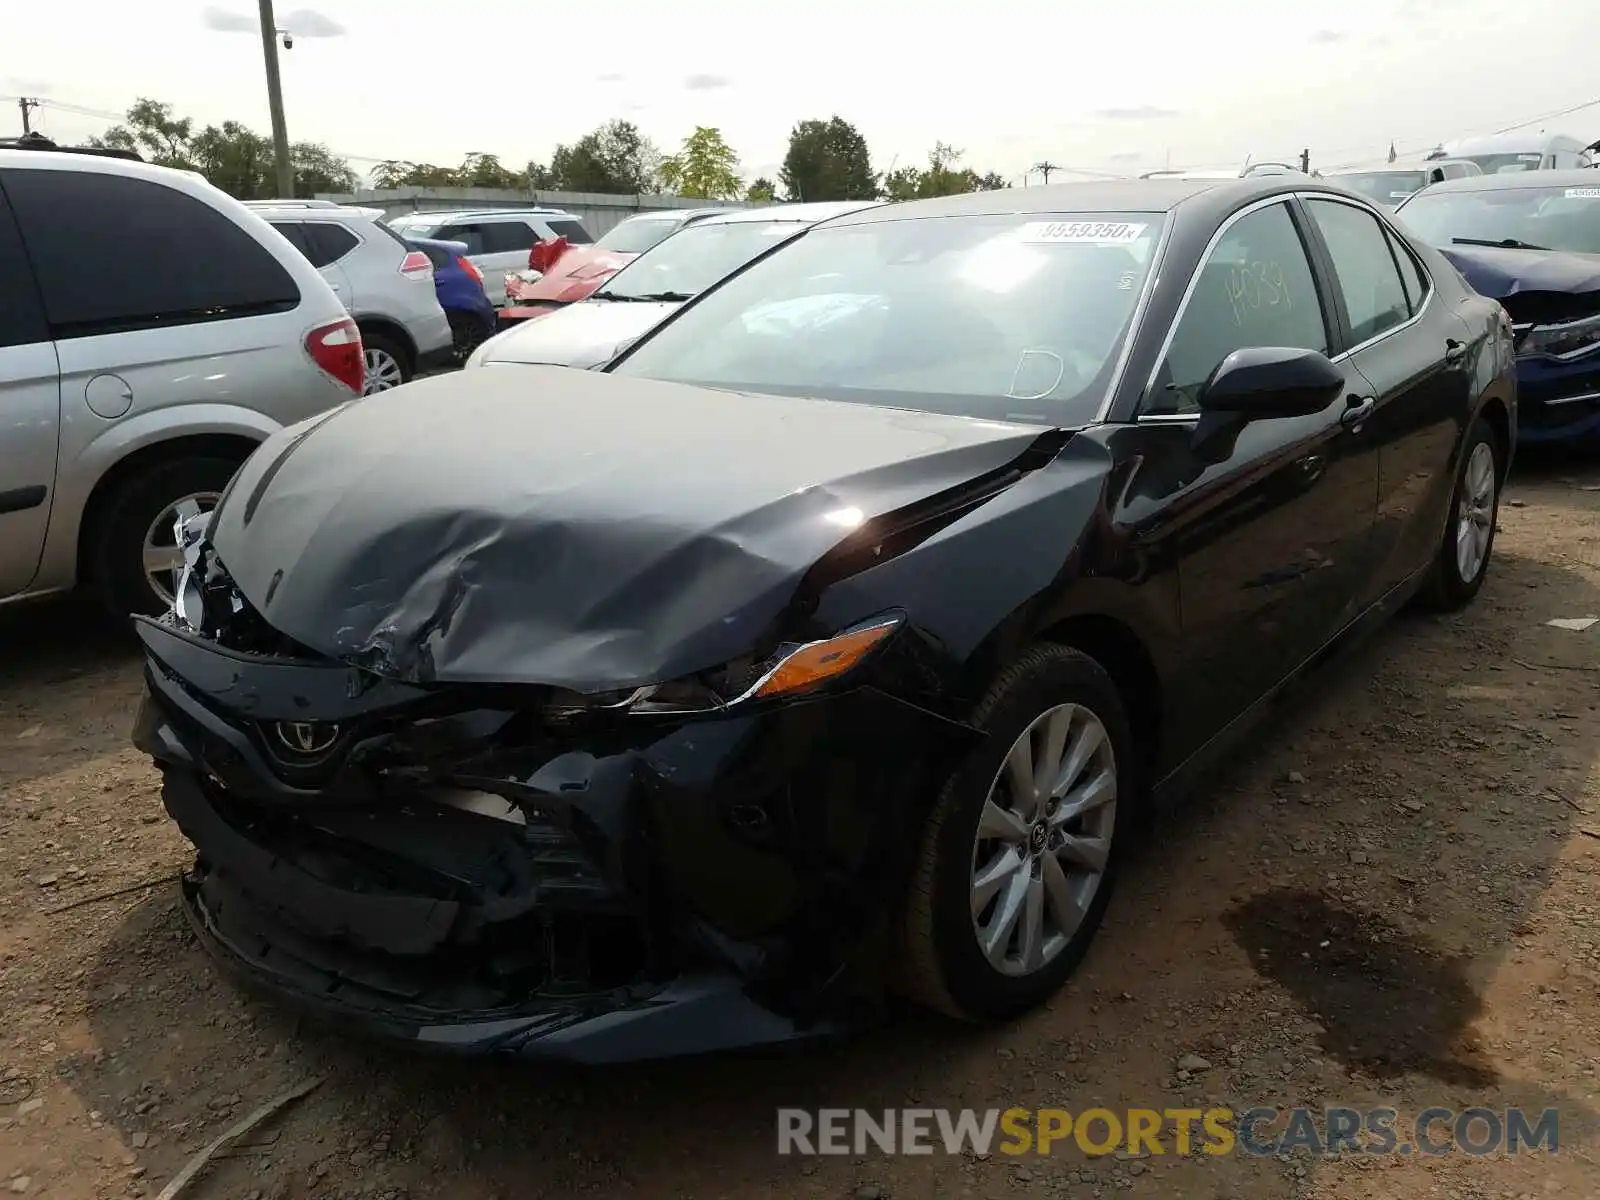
(1110, 196)
(440, 216)
(1506, 181)
(817, 210)
(69, 160)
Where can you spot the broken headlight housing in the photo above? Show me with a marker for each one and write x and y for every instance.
(1568, 340)
(794, 669)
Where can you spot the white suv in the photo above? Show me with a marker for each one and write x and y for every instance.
(153, 331)
(497, 239)
(385, 284)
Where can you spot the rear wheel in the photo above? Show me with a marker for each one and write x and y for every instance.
(1462, 562)
(467, 333)
(388, 364)
(1019, 855)
(135, 553)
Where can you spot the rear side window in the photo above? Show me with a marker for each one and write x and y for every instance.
(21, 318)
(113, 253)
(329, 242)
(570, 229)
(295, 231)
(1369, 280)
(1410, 274)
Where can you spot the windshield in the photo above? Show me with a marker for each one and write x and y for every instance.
(637, 234)
(687, 263)
(1495, 164)
(1001, 317)
(1386, 187)
(1553, 218)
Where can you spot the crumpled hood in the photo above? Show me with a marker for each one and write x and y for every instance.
(576, 274)
(1498, 272)
(579, 335)
(569, 528)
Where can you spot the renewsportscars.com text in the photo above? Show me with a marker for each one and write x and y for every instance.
(1260, 1131)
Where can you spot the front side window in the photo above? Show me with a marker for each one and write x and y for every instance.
(1562, 218)
(113, 253)
(1254, 289)
(690, 261)
(507, 237)
(469, 235)
(1368, 278)
(1005, 317)
(1501, 164)
(637, 234)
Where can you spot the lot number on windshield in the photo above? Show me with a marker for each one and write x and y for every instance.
(1583, 193)
(1094, 233)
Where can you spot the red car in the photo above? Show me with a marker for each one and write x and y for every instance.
(576, 271)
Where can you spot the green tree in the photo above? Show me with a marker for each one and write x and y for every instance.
(761, 191)
(539, 176)
(941, 177)
(706, 167)
(828, 160)
(486, 171)
(615, 159)
(152, 132)
(231, 156)
(318, 169)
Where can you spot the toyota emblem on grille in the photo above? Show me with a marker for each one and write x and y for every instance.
(305, 738)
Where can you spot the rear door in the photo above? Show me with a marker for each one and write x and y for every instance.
(30, 415)
(1413, 352)
(302, 235)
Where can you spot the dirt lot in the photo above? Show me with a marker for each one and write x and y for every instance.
(1393, 901)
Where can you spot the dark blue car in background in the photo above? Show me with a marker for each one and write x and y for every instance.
(459, 286)
(1531, 240)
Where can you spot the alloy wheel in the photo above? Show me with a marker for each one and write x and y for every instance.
(1475, 519)
(162, 556)
(1043, 839)
(383, 371)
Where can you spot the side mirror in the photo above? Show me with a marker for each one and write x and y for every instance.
(1263, 382)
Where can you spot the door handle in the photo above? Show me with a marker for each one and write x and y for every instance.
(1356, 410)
(1454, 352)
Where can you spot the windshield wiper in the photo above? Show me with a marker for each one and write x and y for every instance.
(614, 296)
(678, 297)
(1503, 243)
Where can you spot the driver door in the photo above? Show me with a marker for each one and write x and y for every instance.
(1271, 529)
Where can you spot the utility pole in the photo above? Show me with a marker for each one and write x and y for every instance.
(1305, 162)
(280, 131)
(27, 104)
(1044, 168)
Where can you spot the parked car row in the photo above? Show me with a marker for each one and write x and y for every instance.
(834, 633)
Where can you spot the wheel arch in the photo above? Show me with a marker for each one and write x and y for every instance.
(200, 445)
(391, 329)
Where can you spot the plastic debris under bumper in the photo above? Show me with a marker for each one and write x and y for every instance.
(690, 1015)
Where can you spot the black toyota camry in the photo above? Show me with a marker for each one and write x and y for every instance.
(831, 642)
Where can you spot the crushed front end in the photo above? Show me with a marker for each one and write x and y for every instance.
(488, 868)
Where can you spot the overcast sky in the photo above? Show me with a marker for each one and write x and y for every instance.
(1121, 87)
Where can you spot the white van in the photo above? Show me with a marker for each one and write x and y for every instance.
(1503, 152)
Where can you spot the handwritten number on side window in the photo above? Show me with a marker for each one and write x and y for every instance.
(1255, 285)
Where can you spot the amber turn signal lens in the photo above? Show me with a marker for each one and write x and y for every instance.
(819, 662)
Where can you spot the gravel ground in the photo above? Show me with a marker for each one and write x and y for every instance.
(1390, 901)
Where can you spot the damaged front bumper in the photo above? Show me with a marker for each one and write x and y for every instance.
(449, 867)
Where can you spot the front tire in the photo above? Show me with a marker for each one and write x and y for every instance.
(135, 555)
(1462, 562)
(1020, 853)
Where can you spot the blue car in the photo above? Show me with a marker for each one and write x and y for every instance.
(459, 286)
(1531, 240)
